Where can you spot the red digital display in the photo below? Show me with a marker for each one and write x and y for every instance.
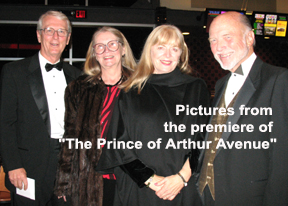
(80, 14)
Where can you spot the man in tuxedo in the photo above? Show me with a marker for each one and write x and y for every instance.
(32, 112)
(238, 175)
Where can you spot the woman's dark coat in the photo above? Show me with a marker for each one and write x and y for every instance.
(76, 177)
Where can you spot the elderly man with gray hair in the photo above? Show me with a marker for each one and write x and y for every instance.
(32, 112)
(237, 175)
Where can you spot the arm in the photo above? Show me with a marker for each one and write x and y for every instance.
(126, 159)
(277, 186)
(64, 176)
(118, 129)
(8, 121)
(172, 185)
(139, 172)
(194, 154)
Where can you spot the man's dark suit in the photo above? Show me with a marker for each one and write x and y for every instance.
(25, 124)
(255, 176)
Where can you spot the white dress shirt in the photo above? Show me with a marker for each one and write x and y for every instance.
(55, 84)
(236, 81)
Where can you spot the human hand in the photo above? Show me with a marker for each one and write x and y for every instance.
(170, 187)
(17, 177)
(155, 179)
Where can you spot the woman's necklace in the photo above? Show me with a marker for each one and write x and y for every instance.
(119, 81)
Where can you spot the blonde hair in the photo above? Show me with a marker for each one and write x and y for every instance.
(164, 34)
(92, 66)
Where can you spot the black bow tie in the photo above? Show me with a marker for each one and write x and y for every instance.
(239, 70)
(58, 66)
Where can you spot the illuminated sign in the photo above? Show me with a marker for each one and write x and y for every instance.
(80, 14)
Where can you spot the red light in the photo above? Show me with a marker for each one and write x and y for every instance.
(20, 46)
(80, 14)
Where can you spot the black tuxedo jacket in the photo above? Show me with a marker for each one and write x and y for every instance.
(25, 123)
(255, 176)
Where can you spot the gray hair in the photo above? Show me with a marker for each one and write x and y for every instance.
(56, 14)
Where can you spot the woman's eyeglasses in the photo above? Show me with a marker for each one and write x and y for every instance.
(112, 45)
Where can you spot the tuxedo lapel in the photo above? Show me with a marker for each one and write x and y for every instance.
(244, 96)
(219, 90)
(35, 81)
(68, 73)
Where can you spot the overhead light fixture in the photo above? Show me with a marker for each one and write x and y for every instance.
(186, 33)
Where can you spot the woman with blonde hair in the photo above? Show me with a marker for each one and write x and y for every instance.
(89, 102)
(157, 169)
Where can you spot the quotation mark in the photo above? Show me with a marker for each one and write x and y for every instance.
(273, 140)
(62, 140)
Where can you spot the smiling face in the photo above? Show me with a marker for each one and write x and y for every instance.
(52, 46)
(165, 57)
(230, 41)
(109, 59)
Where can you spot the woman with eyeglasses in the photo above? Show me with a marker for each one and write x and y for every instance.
(159, 172)
(89, 103)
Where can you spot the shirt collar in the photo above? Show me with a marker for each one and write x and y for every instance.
(246, 65)
(43, 61)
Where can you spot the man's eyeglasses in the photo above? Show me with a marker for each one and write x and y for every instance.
(50, 32)
(112, 45)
